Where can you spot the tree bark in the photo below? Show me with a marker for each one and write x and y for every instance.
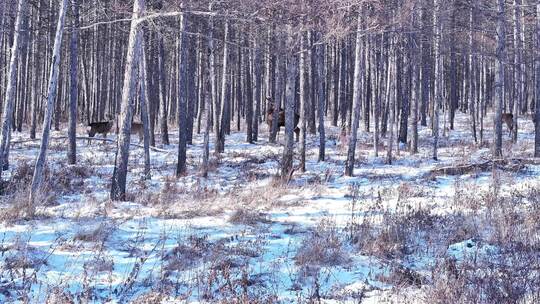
(537, 102)
(288, 151)
(182, 96)
(51, 96)
(144, 109)
(9, 99)
(303, 101)
(321, 101)
(349, 165)
(118, 186)
(499, 81)
(74, 93)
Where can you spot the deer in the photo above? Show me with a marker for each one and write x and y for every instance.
(100, 127)
(508, 119)
(281, 120)
(137, 128)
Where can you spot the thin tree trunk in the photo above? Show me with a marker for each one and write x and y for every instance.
(349, 166)
(518, 93)
(472, 74)
(321, 101)
(249, 96)
(303, 101)
(499, 81)
(225, 101)
(73, 96)
(182, 96)
(537, 102)
(438, 78)
(258, 84)
(288, 151)
(163, 114)
(9, 99)
(144, 109)
(118, 186)
(51, 96)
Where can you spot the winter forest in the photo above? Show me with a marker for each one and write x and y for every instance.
(285, 151)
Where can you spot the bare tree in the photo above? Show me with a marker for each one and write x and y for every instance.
(9, 100)
(118, 186)
(537, 102)
(288, 151)
(499, 81)
(349, 166)
(438, 76)
(74, 93)
(182, 96)
(51, 97)
(143, 82)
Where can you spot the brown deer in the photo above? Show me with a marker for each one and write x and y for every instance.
(281, 120)
(101, 127)
(137, 128)
(508, 119)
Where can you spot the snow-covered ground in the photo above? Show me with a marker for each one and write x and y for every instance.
(239, 235)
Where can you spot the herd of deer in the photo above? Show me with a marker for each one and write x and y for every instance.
(105, 127)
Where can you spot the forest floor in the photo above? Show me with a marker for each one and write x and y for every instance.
(409, 232)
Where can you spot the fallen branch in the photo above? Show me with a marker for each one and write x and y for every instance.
(89, 138)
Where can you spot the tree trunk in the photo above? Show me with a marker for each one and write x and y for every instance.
(321, 101)
(51, 96)
(537, 102)
(438, 78)
(249, 96)
(258, 84)
(118, 186)
(182, 96)
(9, 99)
(288, 151)
(349, 165)
(74, 93)
(303, 101)
(144, 109)
(472, 74)
(225, 101)
(518, 93)
(499, 81)
(163, 114)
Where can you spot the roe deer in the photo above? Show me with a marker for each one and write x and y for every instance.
(508, 119)
(281, 120)
(343, 140)
(137, 128)
(101, 127)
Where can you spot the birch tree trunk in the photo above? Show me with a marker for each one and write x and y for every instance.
(349, 165)
(9, 99)
(51, 97)
(118, 186)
